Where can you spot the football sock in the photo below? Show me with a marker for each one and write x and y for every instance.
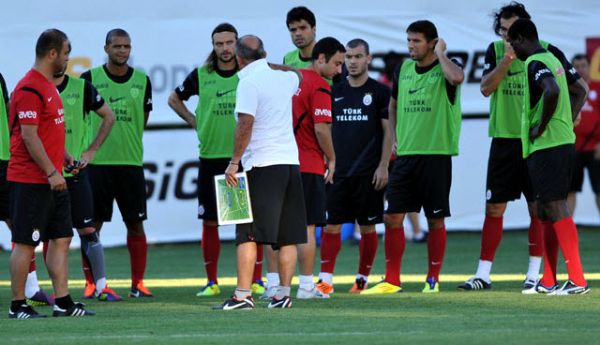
(330, 247)
(16, 304)
(257, 275)
(31, 284)
(533, 272)
(394, 243)
(568, 240)
(483, 270)
(211, 248)
(283, 291)
(536, 238)
(138, 251)
(92, 248)
(367, 248)
(272, 279)
(550, 255)
(490, 237)
(85, 265)
(326, 277)
(240, 294)
(306, 282)
(64, 302)
(436, 248)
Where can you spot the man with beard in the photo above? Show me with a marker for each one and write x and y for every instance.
(116, 170)
(215, 83)
(39, 201)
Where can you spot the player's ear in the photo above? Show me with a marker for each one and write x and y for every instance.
(369, 59)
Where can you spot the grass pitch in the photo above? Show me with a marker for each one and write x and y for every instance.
(177, 316)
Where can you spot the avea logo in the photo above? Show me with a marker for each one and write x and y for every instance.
(322, 112)
(29, 114)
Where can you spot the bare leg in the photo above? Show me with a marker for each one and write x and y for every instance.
(307, 251)
(19, 266)
(58, 265)
(246, 258)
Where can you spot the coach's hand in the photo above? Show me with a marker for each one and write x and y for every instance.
(230, 172)
(57, 182)
(380, 178)
(329, 172)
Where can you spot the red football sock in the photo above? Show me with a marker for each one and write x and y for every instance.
(550, 255)
(568, 240)
(32, 266)
(87, 271)
(490, 237)
(394, 243)
(436, 248)
(367, 249)
(211, 249)
(536, 237)
(259, 263)
(138, 251)
(330, 247)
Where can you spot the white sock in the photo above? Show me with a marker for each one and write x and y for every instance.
(326, 277)
(100, 284)
(307, 282)
(272, 279)
(483, 270)
(31, 285)
(533, 272)
(358, 276)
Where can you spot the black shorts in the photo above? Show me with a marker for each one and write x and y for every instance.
(550, 171)
(126, 184)
(354, 199)
(82, 202)
(4, 192)
(507, 174)
(585, 159)
(313, 186)
(420, 181)
(207, 203)
(38, 213)
(277, 207)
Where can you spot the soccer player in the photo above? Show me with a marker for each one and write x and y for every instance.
(39, 202)
(548, 138)
(116, 169)
(79, 99)
(215, 84)
(312, 121)
(264, 142)
(425, 112)
(302, 25)
(507, 176)
(587, 138)
(362, 143)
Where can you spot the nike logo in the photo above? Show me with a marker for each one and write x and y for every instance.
(511, 73)
(87, 220)
(435, 263)
(114, 100)
(223, 93)
(324, 261)
(438, 211)
(141, 214)
(410, 92)
(371, 218)
(49, 99)
(337, 99)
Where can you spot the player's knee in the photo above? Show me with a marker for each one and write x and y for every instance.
(135, 229)
(435, 223)
(393, 220)
(495, 209)
(333, 228)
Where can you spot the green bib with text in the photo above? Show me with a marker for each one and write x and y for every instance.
(4, 135)
(560, 127)
(506, 103)
(427, 122)
(77, 124)
(215, 119)
(123, 146)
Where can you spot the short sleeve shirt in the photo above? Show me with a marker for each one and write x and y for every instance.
(587, 131)
(311, 105)
(36, 101)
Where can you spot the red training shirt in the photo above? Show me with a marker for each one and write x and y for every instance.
(35, 101)
(588, 131)
(311, 104)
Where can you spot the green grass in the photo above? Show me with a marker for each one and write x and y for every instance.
(175, 315)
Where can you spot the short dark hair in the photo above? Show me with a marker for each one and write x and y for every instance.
(580, 57)
(524, 28)
(358, 42)
(296, 14)
(507, 12)
(424, 27)
(249, 53)
(115, 32)
(48, 40)
(328, 46)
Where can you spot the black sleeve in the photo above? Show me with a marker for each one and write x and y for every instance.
(451, 89)
(4, 90)
(570, 71)
(148, 96)
(87, 75)
(92, 100)
(383, 101)
(538, 71)
(395, 81)
(189, 87)
(490, 59)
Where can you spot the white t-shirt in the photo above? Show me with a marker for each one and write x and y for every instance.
(267, 94)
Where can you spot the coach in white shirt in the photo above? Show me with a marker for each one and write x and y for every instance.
(265, 144)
